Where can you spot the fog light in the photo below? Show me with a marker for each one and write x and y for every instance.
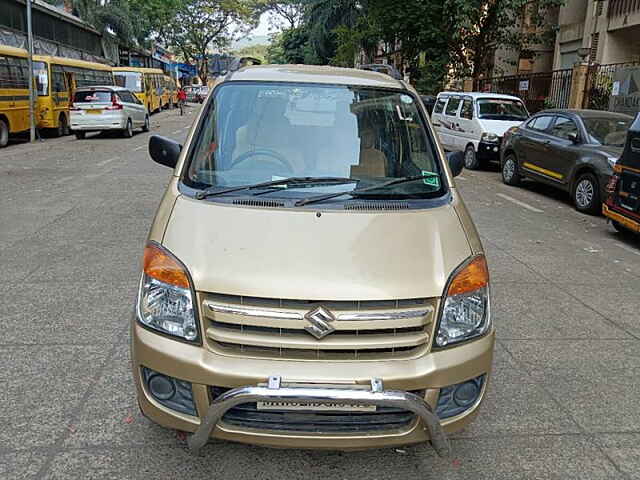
(455, 399)
(170, 392)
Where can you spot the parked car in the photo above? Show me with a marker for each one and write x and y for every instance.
(103, 108)
(475, 123)
(623, 201)
(192, 92)
(202, 93)
(312, 279)
(574, 150)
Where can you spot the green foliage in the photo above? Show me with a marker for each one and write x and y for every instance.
(200, 25)
(255, 51)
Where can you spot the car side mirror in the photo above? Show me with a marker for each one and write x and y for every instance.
(164, 151)
(456, 162)
(574, 138)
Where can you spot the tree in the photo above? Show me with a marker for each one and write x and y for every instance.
(286, 14)
(480, 27)
(200, 25)
(152, 17)
(255, 51)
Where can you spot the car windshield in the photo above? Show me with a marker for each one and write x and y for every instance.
(501, 109)
(41, 74)
(130, 80)
(607, 131)
(259, 132)
(92, 96)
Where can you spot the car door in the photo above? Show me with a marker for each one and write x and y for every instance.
(466, 124)
(533, 146)
(436, 117)
(137, 110)
(451, 124)
(563, 149)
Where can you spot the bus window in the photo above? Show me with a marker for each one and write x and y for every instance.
(18, 73)
(132, 81)
(59, 79)
(41, 74)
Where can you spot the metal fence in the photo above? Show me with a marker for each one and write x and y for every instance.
(599, 84)
(539, 91)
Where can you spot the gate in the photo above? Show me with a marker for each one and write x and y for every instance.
(599, 84)
(538, 91)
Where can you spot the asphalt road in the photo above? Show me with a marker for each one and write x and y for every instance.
(74, 216)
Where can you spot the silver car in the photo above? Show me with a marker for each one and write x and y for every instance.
(100, 108)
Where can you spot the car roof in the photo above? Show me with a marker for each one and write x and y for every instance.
(475, 95)
(584, 113)
(314, 74)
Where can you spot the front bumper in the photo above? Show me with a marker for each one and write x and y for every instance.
(203, 369)
(489, 151)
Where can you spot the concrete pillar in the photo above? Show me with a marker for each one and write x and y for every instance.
(578, 85)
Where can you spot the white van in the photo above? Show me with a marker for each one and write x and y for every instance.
(475, 123)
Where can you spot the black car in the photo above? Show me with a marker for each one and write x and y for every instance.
(623, 205)
(574, 150)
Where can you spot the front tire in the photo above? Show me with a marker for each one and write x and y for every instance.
(128, 131)
(471, 161)
(4, 133)
(146, 127)
(510, 175)
(586, 194)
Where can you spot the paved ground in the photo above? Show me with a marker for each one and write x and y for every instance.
(74, 216)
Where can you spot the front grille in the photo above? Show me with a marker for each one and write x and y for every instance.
(275, 328)
(247, 415)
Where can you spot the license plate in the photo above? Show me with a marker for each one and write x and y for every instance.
(95, 112)
(313, 407)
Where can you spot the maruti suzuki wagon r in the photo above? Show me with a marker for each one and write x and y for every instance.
(312, 277)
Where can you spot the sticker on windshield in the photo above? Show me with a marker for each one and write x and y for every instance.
(431, 178)
(406, 99)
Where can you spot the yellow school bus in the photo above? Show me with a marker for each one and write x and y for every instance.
(56, 79)
(170, 95)
(146, 83)
(14, 92)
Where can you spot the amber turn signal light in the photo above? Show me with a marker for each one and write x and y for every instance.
(472, 277)
(159, 264)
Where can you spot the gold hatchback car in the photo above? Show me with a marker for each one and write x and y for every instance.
(312, 277)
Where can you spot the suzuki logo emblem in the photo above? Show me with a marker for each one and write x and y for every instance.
(320, 322)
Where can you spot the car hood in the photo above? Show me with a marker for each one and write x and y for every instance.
(305, 255)
(499, 127)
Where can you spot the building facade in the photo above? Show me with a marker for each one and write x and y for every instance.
(599, 31)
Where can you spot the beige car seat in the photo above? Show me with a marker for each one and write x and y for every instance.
(373, 163)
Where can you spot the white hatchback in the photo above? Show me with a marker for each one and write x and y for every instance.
(100, 108)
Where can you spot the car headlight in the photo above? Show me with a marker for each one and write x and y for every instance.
(465, 312)
(612, 161)
(165, 298)
(490, 138)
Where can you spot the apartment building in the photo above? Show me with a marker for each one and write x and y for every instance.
(598, 31)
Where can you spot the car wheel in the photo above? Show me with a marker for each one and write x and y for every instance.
(471, 161)
(146, 127)
(81, 135)
(586, 194)
(128, 131)
(4, 133)
(510, 174)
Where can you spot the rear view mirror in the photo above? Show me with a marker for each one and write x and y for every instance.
(164, 150)
(573, 138)
(456, 162)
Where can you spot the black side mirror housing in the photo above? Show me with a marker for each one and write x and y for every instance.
(456, 162)
(164, 151)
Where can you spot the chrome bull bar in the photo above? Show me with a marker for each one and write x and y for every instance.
(275, 392)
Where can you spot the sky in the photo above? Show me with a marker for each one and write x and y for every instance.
(263, 26)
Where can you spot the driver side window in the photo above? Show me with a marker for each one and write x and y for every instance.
(564, 128)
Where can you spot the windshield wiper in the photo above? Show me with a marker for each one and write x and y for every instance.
(212, 191)
(395, 181)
